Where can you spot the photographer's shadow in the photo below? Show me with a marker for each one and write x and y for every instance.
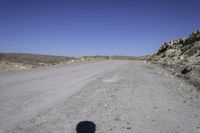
(86, 127)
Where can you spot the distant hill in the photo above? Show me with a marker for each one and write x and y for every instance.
(19, 61)
(33, 59)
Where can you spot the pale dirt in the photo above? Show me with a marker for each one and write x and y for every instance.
(118, 96)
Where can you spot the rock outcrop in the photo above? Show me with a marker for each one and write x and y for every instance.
(182, 57)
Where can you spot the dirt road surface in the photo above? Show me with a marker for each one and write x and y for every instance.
(117, 96)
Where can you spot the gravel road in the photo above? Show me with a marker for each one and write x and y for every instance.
(117, 96)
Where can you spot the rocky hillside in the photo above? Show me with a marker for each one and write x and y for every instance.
(182, 57)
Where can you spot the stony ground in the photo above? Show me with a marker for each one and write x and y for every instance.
(118, 96)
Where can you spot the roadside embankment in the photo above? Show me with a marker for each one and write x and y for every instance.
(181, 57)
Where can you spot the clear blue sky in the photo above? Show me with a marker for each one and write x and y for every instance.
(94, 27)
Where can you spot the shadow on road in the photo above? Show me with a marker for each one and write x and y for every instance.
(86, 127)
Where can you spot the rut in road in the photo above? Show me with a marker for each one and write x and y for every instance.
(130, 96)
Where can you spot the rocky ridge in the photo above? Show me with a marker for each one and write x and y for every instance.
(182, 57)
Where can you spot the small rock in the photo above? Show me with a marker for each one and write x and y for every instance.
(186, 70)
(117, 119)
(176, 74)
(128, 128)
